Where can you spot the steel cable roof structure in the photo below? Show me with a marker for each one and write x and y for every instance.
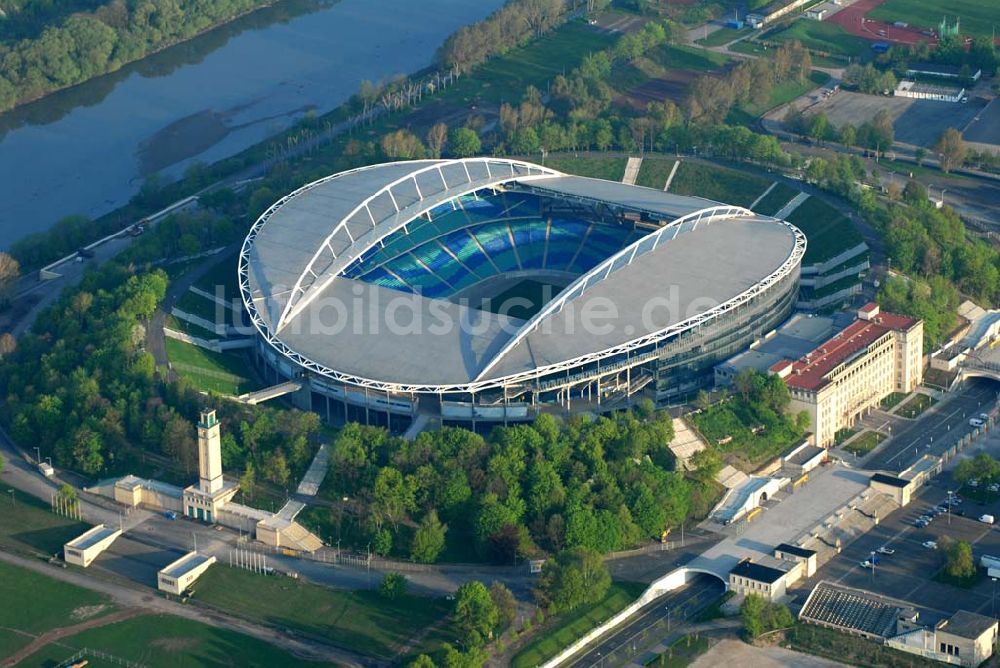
(435, 231)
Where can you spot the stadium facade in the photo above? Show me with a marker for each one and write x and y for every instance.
(488, 290)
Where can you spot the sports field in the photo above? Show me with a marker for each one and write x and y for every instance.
(978, 17)
(522, 300)
(820, 36)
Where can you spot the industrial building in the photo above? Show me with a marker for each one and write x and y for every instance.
(179, 575)
(923, 91)
(849, 374)
(963, 639)
(325, 272)
(82, 550)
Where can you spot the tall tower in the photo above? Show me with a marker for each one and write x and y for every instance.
(209, 453)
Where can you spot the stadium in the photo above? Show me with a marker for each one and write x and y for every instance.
(488, 290)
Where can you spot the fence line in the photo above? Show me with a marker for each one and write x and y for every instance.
(87, 652)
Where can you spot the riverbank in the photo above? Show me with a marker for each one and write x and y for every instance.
(111, 63)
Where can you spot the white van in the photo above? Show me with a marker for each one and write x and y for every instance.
(986, 519)
(46, 469)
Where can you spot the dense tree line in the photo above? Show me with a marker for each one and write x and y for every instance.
(605, 484)
(980, 53)
(88, 44)
(514, 24)
(82, 387)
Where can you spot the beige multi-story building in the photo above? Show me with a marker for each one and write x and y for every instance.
(849, 374)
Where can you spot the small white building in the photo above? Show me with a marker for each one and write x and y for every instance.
(82, 550)
(922, 91)
(181, 574)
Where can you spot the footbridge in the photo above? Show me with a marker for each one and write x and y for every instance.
(268, 393)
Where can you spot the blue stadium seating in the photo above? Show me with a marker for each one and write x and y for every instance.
(489, 233)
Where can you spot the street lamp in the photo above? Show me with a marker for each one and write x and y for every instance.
(949, 512)
(11, 492)
(994, 607)
(873, 565)
(38, 455)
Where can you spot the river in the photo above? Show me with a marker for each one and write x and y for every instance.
(87, 150)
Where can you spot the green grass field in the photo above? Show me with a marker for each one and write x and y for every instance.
(683, 652)
(978, 16)
(654, 172)
(915, 406)
(175, 323)
(780, 195)
(718, 183)
(827, 231)
(28, 527)
(864, 443)
(222, 275)
(683, 57)
(34, 604)
(723, 36)
(780, 94)
(165, 641)
(598, 167)
(821, 36)
(195, 304)
(511, 301)
(211, 371)
(570, 626)
(505, 78)
(356, 620)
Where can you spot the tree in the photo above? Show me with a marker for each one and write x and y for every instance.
(464, 143)
(505, 603)
(752, 611)
(2, 463)
(436, 138)
(402, 144)
(950, 149)
(428, 541)
(573, 578)
(476, 614)
(8, 344)
(958, 559)
(422, 661)
(883, 128)
(248, 480)
(382, 542)
(393, 586)
(10, 271)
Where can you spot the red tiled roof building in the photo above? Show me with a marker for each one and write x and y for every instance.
(850, 373)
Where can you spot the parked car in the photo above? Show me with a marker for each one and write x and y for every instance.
(984, 417)
(986, 519)
(46, 469)
(973, 483)
(930, 544)
(920, 524)
(888, 551)
(976, 422)
(170, 515)
(866, 564)
(994, 487)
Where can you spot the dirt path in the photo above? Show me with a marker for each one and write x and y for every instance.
(66, 631)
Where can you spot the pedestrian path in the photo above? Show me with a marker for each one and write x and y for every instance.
(763, 195)
(632, 171)
(673, 170)
(791, 206)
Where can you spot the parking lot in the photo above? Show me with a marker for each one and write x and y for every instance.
(909, 573)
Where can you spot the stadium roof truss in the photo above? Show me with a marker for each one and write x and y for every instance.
(390, 208)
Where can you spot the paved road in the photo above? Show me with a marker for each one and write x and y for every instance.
(938, 428)
(651, 622)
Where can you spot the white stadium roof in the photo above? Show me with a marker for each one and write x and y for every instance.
(705, 259)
